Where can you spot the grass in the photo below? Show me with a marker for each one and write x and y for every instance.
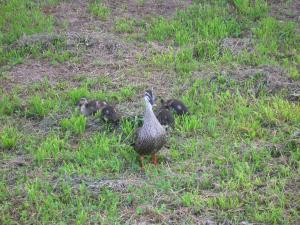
(98, 9)
(29, 20)
(124, 26)
(199, 31)
(9, 104)
(252, 10)
(13, 26)
(75, 124)
(235, 158)
(39, 107)
(8, 138)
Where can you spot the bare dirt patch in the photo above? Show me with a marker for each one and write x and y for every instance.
(141, 9)
(274, 79)
(95, 186)
(286, 10)
(100, 52)
(238, 45)
(14, 163)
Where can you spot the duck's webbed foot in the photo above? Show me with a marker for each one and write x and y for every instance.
(154, 159)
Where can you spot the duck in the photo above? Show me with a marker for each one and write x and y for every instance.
(109, 114)
(151, 136)
(176, 105)
(88, 108)
(165, 116)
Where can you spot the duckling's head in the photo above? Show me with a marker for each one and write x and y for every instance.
(82, 101)
(149, 97)
(163, 104)
(109, 114)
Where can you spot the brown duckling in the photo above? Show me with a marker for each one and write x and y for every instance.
(176, 105)
(88, 108)
(151, 137)
(109, 114)
(165, 116)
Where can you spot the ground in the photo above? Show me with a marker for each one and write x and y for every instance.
(234, 160)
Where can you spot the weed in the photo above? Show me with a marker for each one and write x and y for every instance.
(39, 107)
(50, 150)
(190, 200)
(98, 9)
(189, 123)
(275, 37)
(127, 128)
(252, 9)
(9, 138)
(75, 124)
(207, 50)
(28, 20)
(76, 94)
(182, 61)
(14, 25)
(124, 26)
(9, 104)
(58, 56)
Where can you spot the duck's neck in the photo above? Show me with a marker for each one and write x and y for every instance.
(148, 115)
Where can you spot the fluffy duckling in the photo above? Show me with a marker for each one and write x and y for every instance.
(176, 105)
(151, 137)
(88, 108)
(165, 116)
(109, 114)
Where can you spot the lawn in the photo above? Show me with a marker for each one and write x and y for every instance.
(234, 160)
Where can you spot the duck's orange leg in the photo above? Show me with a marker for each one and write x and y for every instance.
(142, 162)
(154, 159)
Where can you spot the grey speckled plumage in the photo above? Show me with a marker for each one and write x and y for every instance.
(151, 137)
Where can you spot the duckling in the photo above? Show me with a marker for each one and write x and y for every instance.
(151, 137)
(165, 116)
(176, 105)
(109, 114)
(90, 107)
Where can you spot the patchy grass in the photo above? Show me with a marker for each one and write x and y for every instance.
(200, 29)
(29, 20)
(75, 124)
(8, 138)
(14, 25)
(124, 26)
(235, 158)
(98, 9)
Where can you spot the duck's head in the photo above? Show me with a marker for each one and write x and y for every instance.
(149, 97)
(82, 101)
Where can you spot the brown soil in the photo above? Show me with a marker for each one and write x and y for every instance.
(286, 10)
(238, 45)
(95, 186)
(274, 78)
(102, 53)
(144, 9)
